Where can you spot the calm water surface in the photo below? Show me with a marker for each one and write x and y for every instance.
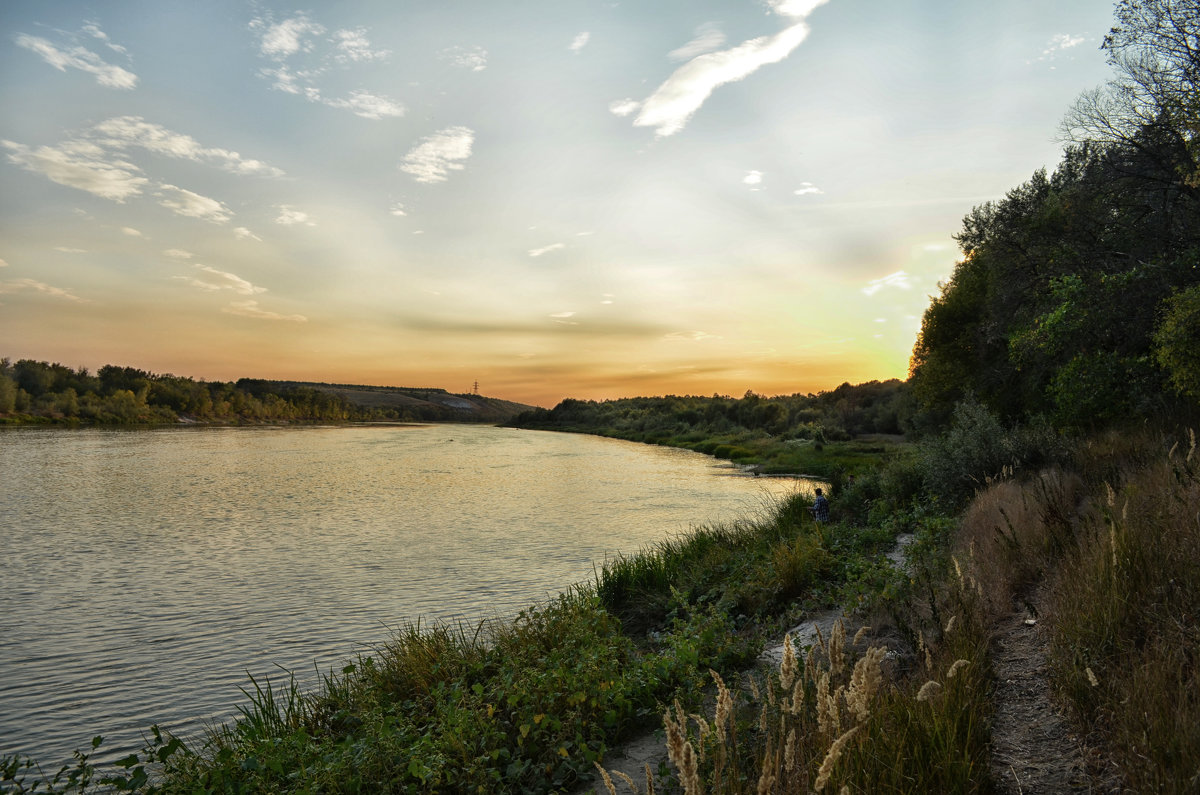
(146, 573)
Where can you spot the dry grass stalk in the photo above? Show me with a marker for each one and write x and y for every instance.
(865, 682)
(831, 759)
(837, 645)
(950, 624)
(608, 783)
(862, 632)
(958, 664)
(798, 696)
(824, 701)
(787, 668)
(929, 691)
(627, 779)
(649, 780)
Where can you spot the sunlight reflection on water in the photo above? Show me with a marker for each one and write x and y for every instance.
(147, 572)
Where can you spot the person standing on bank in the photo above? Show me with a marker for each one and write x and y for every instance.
(820, 508)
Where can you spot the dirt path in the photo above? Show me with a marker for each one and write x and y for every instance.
(1033, 749)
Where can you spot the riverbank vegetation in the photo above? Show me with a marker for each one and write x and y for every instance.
(33, 392)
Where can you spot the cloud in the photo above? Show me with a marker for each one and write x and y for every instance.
(290, 217)
(623, 107)
(672, 104)
(69, 250)
(431, 159)
(242, 233)
(352, 45)
(753, 178)
(537, 252)
(473, 58)
(192, 205)
(367, 105)
(20, 285)
(3, 264)
(214, 280)
(807, 189)
(93, 30)
(129, 230)
(1059, 43)
(81, 58)
(251, 309)
(579, 42)
(798, 9)
(563, 315)
(178, 253)
(301, 54)
(288, 37)
(691, 336)
(708, 37)
(125, 131)
(898, 279)
(81, 165)
(397, 209)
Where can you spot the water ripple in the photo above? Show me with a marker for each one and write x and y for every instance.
(148, 572)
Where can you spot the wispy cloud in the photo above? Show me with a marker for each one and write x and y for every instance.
(178, 253)
(691, 336)
(674, 102)
(64, 55)
(289, 216)
(537, 252)
(126, 131)
(192, 205)
(81, 165)
(129, 230)
(708, 37)
(807, 189)
(898, 279)
(753, 178)
(21, 285)
(70, 250)
(623, 107)
(3, 264)
(397, 209)
(580, 41)
(242, 233)
(368, 105)
(98, 162)
(473, 58)
(302, 51)
(434, 157)
(1058, 44)
(564, 318)
(251, 309)
(213, 280)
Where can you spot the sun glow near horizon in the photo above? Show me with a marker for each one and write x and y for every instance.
(690, 198)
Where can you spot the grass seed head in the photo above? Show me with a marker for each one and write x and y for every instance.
(958, 664)
(787, 668)
(929, 691)
(608, 783)
(831, 759)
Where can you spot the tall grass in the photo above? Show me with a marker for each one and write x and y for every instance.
(1127, 618)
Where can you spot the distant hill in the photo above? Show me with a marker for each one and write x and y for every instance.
(413, 403)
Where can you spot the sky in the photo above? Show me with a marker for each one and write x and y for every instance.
(549, 198)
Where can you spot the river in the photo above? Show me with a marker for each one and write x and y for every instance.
(146, 573)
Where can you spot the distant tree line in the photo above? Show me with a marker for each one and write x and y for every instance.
(35, 391)
(877, 407)
(1078, 295)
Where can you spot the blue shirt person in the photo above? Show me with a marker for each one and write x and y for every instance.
(820, 508)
